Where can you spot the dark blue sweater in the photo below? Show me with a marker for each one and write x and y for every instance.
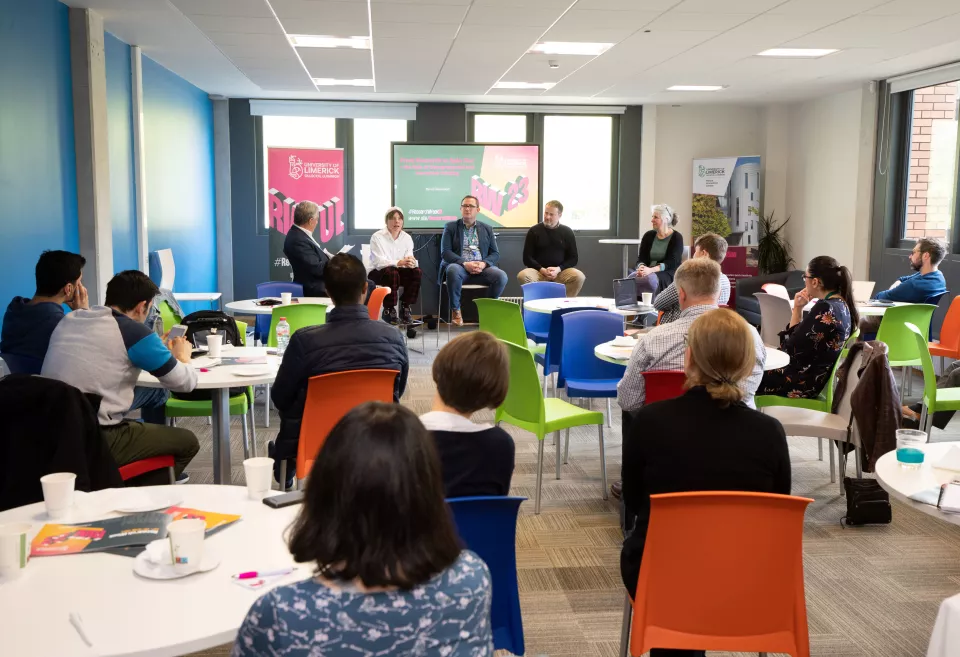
(915, 288)
(27, 328)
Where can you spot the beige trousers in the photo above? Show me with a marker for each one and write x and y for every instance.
(571, 278)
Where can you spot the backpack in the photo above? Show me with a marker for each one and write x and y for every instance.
(200, 323)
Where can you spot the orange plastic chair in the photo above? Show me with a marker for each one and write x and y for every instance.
(329, 398)
(948, 346)
(375, 304)
(723, 571)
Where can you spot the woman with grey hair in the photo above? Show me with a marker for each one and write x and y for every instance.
(661, 251)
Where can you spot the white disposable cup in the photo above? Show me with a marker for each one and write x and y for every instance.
(258, 472)
(186, 542)
(647, 298)
(214, 343)
(58, 492)
(286, 297)
(14, 549)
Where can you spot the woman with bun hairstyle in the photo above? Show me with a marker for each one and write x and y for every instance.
(661, 251)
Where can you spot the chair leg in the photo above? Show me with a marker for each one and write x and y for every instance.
(173, 475)
(246, 436)
(603, 463)
(253, 429)
(266, 408)
(536, 503)
(546, 382)
(556, 440)
(566, 448)
(283, 475)
(625, 629)
(857, 455)
(843, 470)
(903, 380)
(833, 472)
(609, 415)
(820, 448)
(923, 417)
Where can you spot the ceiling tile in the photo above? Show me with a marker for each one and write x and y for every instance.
(403, 66)
(518, 16)
(248, 8)
(835, 9)
(342, 63)
(928, 8)
(322, 27)
(631, 5)
(415, 30)
(325, 9)
(536, 67)
(726, 6)
(236, 24)
(714, 22)
(858, 32)
(410, 13)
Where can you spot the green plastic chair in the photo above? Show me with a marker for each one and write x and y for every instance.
(934, 399)
(901, 345)
(526, 408)
(241, 405)
(505, 321)
(298, 316)
(168, 316)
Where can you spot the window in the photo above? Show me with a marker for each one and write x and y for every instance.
(295, 132)
(932, 171)
(372, 161)
(577, 168)
(511, 128)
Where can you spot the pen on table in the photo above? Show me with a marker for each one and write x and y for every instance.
(77, 622)
(265, 573)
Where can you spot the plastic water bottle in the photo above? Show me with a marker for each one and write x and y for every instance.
(283, 336)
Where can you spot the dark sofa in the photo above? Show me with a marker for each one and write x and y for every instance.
(748, 306)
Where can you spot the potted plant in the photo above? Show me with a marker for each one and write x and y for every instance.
(773, 249)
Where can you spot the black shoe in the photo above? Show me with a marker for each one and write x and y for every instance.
(390, 315)
(183, 478)
(406, 317)
(291, 467)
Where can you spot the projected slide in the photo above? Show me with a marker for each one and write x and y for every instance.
(429, 180)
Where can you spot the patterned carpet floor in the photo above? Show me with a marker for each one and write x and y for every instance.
(871, 591)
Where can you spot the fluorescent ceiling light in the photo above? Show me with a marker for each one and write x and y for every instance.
(695, 87)
(313, 41)
(524, 85)
(570, 48)
(796, 52)
(331, 82)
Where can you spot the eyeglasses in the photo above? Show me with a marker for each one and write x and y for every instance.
(468, 207)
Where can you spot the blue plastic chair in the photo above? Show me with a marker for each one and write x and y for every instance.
(488, 527)
(273, 289)
(538, 324)
(585, 375)
(549, 360)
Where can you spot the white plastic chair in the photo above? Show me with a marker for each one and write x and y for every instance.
(168, 274)
(775, 314)
(862, 290)
(776, 290)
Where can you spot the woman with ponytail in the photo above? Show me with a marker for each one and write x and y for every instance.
(706, 439)
(814, 342)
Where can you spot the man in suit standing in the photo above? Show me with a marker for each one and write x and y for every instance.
(470, 255)
(306, 256)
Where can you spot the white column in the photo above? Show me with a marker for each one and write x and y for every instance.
(221, 168)
(867, 153)
(776, 139)
(139, 173)
(648, 165)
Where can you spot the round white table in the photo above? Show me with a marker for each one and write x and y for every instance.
(863, 309)
(611, 353)
(945, 640)
(250, 307)
(219, 380)
(125, 614)
(547, 306)
(902, 483)
(627, 243)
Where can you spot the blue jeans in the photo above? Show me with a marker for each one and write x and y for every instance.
(152, 404)
(457, 276)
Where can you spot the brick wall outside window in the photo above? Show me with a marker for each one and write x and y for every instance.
(933, 162)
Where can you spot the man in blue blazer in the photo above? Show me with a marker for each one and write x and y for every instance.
(306, 256)
(470, 255)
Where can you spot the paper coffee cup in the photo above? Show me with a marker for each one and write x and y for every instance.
(58, 493)
(286, 297)
(258, 472)
(14, 549)
(186, 542)
(214, 343)
(647, 298)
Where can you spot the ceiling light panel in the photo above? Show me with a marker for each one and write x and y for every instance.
(317, 41)
(506, 84)
(797, 53)
(570, 48)
(695, 87)
(332, 82)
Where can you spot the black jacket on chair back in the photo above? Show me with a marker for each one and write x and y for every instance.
(307, 260)
(350, 340)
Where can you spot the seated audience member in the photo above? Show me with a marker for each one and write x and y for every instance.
(926, 282)
(29, 323)
(102, 351)
(470, 256)
(550, 252)
(349, 340)
(390, 576)
(660, 252)
(393, 265)
(708, 439)
(708, 245)
(814, 342)
(472, 373)
(305, 255)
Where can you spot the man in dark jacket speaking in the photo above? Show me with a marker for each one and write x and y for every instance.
(306, 257)
(349, 340)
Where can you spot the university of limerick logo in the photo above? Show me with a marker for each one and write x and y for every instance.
(702, 170)
(296, 167)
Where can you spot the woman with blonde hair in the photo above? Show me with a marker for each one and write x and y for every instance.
(706, 439)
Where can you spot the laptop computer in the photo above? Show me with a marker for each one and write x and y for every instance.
(625, 295)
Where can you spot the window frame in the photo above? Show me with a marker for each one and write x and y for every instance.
(345, 141)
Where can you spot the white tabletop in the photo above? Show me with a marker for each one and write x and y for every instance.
(547, 306)
(226, 376)
(196, 296)
(621, 355)
(625, 240)
(945, 640)
(125, 614)
(864, 310)
(250, 307)
(902, 483)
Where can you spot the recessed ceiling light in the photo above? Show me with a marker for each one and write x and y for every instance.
(695, 87)
(796, 52)
(570, 48)
(331, 82)
(314, 41)
(524, 85)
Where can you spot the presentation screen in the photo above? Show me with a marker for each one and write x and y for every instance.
(430, 180)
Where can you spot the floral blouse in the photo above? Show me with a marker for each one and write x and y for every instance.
(449, 616)
(814, 346)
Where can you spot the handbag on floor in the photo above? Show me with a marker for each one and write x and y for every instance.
(867, 503)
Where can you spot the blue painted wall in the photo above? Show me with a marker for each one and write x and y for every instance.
(38, 176)
(123, 196)
(178, 127)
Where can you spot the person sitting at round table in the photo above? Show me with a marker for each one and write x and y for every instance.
(390, 576)
(660, 253)
(814, 342)
(392, 265)
(743, 450)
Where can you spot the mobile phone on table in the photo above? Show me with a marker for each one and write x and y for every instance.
(287, 499)
(177, 331)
